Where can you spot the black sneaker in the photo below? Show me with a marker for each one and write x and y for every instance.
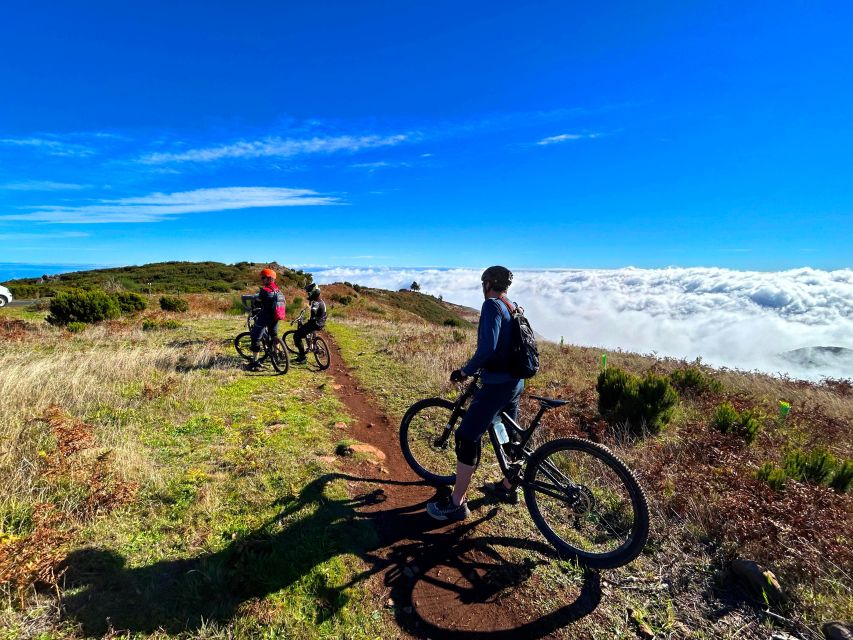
(499, 491)
(253, 366)
(299, 360)
(445, 510)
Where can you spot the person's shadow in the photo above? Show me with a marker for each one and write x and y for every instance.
(102, 594)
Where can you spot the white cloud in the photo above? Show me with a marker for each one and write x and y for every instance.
(50, 146)
(42, 185)
(26, 237)
(278, 147)
(740, 319)
(160, 206)
(567, 137)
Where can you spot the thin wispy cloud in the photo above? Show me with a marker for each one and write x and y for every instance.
(26, 237)
(567, 137)
(43, 185)
(50, 146)
(162, 206)
(277, 147)
(381, 164)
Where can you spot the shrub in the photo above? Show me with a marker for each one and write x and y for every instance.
(173, 303)
(170, 323)
(76, 305)
(293, 308)
(236, 308)
(415, 286)
(130, 303)
(357, 288)
(640, 403)
(452, 322)
(727, 420)
(458, 336)
(150, 325)
(344, 300)
(842, 480)
(772, 475)
(219, 287)
(815, 467)
(76, 327)
(692, 379)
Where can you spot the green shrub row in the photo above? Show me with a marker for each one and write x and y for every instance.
(727, 419)
(77, 306)
(817, 466)
(641, 403)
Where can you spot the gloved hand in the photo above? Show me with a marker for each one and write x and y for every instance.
(457, 376)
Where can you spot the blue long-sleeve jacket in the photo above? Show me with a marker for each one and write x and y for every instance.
(494, 335)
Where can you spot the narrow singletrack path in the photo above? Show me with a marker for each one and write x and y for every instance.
(441, 580)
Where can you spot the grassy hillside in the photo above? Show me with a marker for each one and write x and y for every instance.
(148, 480)
(160, 277)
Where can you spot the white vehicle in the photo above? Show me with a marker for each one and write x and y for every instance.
(5, 296)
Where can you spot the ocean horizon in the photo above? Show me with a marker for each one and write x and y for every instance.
(17, 270)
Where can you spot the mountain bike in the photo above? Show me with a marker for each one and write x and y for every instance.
(272, 349)
(582, 498)
(313, 343)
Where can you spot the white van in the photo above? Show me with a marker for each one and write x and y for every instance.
(5, 296)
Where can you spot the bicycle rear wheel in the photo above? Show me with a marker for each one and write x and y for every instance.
(321, 353)
(278, 356)
(290, 342)
(426, 438)
(586, 502)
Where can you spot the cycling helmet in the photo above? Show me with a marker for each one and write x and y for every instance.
(314, 293)
(268, 273)
(310, 287)
(499, 277)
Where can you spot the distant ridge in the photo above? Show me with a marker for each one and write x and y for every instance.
(816, 357)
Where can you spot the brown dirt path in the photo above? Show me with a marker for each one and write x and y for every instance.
(442, 581)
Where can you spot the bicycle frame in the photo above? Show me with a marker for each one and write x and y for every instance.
(511, 467)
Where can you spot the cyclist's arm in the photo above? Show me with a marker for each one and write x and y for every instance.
(487, 338)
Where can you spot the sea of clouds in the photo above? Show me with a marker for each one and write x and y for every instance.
(738, 319)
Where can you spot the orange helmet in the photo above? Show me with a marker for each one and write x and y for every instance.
(268, 273)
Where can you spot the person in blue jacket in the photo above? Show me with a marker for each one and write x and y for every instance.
(500, 392)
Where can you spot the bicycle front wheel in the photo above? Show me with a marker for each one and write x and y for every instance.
(243, 345)
(278, 356)
(586, 502)
(321, 353)
(290, 342)
(426, 438)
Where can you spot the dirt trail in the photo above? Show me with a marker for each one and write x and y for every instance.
(442, 581)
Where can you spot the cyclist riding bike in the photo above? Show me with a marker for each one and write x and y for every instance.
(271, 303)
(500, 392)
(316, 322)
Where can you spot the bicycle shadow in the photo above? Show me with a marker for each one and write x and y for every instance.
(102, 594)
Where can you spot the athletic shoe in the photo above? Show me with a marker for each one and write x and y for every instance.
(446, 510)
(499, 491)
(299, 360)
(253, 366)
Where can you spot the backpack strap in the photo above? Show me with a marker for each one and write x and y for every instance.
(508, 307)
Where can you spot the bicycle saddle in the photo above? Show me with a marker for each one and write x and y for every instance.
(550, 403)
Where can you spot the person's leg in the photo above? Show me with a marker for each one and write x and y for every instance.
(297, 338)
(256, 333)
(511, 409)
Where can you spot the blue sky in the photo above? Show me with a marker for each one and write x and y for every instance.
(548, 134)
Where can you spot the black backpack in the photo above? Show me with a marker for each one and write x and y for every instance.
(523, 352)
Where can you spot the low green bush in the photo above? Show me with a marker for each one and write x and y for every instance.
(173, 304)
(452, 322)
(727, 419)
(692, 379)
(772, 475)
(842, 479)
(130, 303)
(815, 467)
(77, 305)
(76, 327)
(170, 323)
(344, 300)
(643, 404)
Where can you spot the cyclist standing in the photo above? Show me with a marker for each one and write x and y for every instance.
(500, 392)
(315, 322)
(271, 302)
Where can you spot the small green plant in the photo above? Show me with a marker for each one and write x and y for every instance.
(150, 325)
(344, 300)
(76, 327)
(692, 379)
(727, 419)
(170, 323)
(772, 475)
(458, 336)
(815, 467)
(452, 322)
(130, 303)
(641, 403)
(173, 304)
(236, 308)
(842, 479)
(77, 305)
(293, 308)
